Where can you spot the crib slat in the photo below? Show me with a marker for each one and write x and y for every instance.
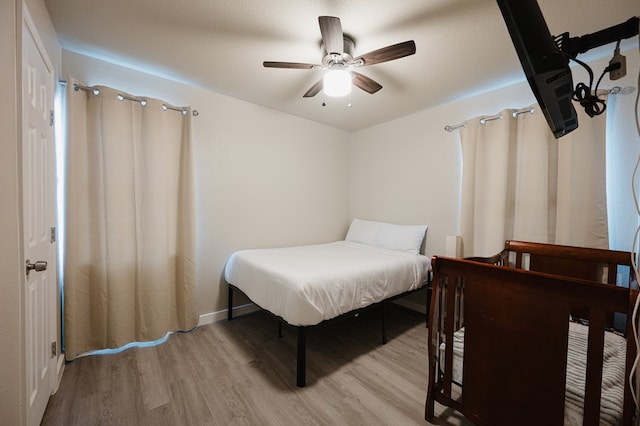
(593, 385)
(449, 329)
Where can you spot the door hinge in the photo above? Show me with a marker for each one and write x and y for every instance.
(54, 349)
(51, 117)
(52, 239)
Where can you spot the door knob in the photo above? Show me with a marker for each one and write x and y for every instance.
(40, 265)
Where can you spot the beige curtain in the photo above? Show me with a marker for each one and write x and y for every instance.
(518, 182)
(129, 239)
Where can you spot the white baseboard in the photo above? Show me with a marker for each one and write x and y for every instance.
(212, 317)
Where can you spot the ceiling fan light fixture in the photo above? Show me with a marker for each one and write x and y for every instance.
(337, 83)
(337, 48)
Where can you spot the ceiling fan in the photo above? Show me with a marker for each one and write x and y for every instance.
(338, 49)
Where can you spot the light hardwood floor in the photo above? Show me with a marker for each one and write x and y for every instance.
(241, 373)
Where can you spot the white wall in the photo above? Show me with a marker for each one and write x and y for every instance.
(408, 170)
(263, 178)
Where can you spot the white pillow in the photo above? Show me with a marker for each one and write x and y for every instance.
(390, 236)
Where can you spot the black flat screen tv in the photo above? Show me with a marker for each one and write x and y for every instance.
(545, 66)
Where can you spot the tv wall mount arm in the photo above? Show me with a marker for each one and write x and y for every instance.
(572, 46)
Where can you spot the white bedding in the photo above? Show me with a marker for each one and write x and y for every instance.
(308, 284)
(612, 374)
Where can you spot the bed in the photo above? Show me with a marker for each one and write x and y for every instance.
(312, 285)
(537, 334)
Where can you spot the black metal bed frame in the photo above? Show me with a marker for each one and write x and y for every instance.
(301, 357)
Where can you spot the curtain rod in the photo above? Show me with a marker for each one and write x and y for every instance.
(483, 120)
(87, 89)
(165, 106)
(451, 127)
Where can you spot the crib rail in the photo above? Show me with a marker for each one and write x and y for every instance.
(510, 314)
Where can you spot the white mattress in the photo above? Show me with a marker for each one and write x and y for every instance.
(308, 284)
(612, 374)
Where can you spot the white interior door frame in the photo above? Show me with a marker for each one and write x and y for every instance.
(38, 222)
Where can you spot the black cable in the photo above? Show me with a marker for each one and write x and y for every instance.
(587, 98)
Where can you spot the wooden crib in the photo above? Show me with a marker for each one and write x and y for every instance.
(513, 311)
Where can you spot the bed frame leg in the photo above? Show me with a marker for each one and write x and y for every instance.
(302, 355)
(383, 315)
(230, 304)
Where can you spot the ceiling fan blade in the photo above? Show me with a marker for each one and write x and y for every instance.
(332, 36)
(314, 90)
(296, 65)
(389, 53)
(365, 83)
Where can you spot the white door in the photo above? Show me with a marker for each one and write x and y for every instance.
(38, 192)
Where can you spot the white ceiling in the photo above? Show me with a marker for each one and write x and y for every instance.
(462, 46)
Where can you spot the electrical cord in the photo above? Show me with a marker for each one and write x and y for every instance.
(587, 98)
(634, 263)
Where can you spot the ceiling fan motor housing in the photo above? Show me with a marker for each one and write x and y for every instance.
(345, 58)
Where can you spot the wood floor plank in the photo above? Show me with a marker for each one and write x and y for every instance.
(123, 402)
(190, 405)
(153, 386)
(222, 399)
(241, 373)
